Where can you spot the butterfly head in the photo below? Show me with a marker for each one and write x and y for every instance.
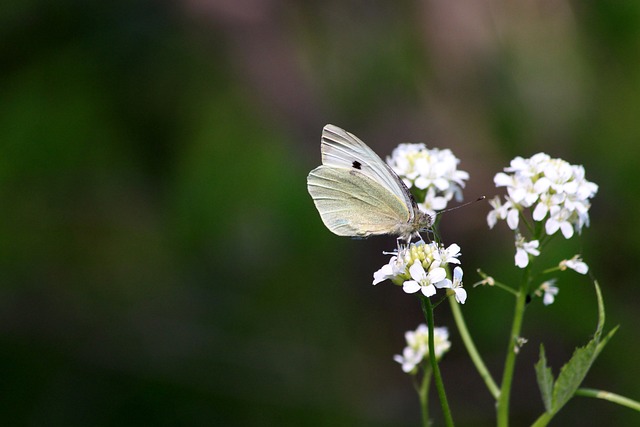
(423, 221)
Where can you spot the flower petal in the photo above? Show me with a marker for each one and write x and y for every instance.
(512, 218)
(446, 283)
(457, 274)
(567, 230)
(417, 271)
(410, 286)
(429, 290)
(385, 272)
(521, 258)
(436, 275)
(461, 295)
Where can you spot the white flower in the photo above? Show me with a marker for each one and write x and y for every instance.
(394, 268)
(575, 264)
(558, 190)
(430, 172)
(419, 266)
(433, 170)
(456, 285)
(546, 203)
(548, 291)
(559, 219)
(433, 203)
(417, 347)
(524, 193)
(524, 249)
(423, 281)
(449, 255)
(528, 167)
(409, 360)
(503, 211)
(403, 159)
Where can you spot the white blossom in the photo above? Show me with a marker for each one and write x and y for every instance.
(417, 348)
(455, 285)
(449, 255)
(504, 211)
(557, 192)
(394, 268)
(433, 170)
(559, 218)
(575, 264)
(423, 281)
(548, 290)
(524, 249)
(432, 202)
(420, 267)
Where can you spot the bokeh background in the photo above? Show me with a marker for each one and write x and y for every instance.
(161, 262)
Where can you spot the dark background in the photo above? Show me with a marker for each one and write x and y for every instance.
(161, 262)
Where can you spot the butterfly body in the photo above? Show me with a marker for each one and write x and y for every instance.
(359, 195)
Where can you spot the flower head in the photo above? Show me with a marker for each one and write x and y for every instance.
(417, 347)
(433, 172)
(556, 192)
(420, 267)
(551, 192)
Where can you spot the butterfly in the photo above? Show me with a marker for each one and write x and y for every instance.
(359, 195)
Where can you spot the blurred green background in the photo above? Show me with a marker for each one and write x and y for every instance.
(162, 263)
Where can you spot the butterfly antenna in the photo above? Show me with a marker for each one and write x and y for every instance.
(461, 206)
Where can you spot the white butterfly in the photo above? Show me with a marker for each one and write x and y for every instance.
(359, 195)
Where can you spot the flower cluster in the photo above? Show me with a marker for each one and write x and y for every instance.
(556, 190)
(420, 267)
(417, 348)
(433, 173)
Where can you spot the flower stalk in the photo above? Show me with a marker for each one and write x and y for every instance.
(512, 351)
(423, 393)
(427, 309)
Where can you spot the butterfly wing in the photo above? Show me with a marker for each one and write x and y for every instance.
(352, 204)
(342, 149)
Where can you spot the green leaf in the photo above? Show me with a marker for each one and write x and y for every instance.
(556, 395)
(572, 374)
(601, 316)
(545, 380)
(575, 370)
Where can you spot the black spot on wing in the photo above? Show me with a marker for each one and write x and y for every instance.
(356, 164)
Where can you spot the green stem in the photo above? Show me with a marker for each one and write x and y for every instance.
(542, 420)
(427, 309)
(611, 397)
(471, 349)
(492, 282)
(510, 362)
(423, 392)
(506, 288)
